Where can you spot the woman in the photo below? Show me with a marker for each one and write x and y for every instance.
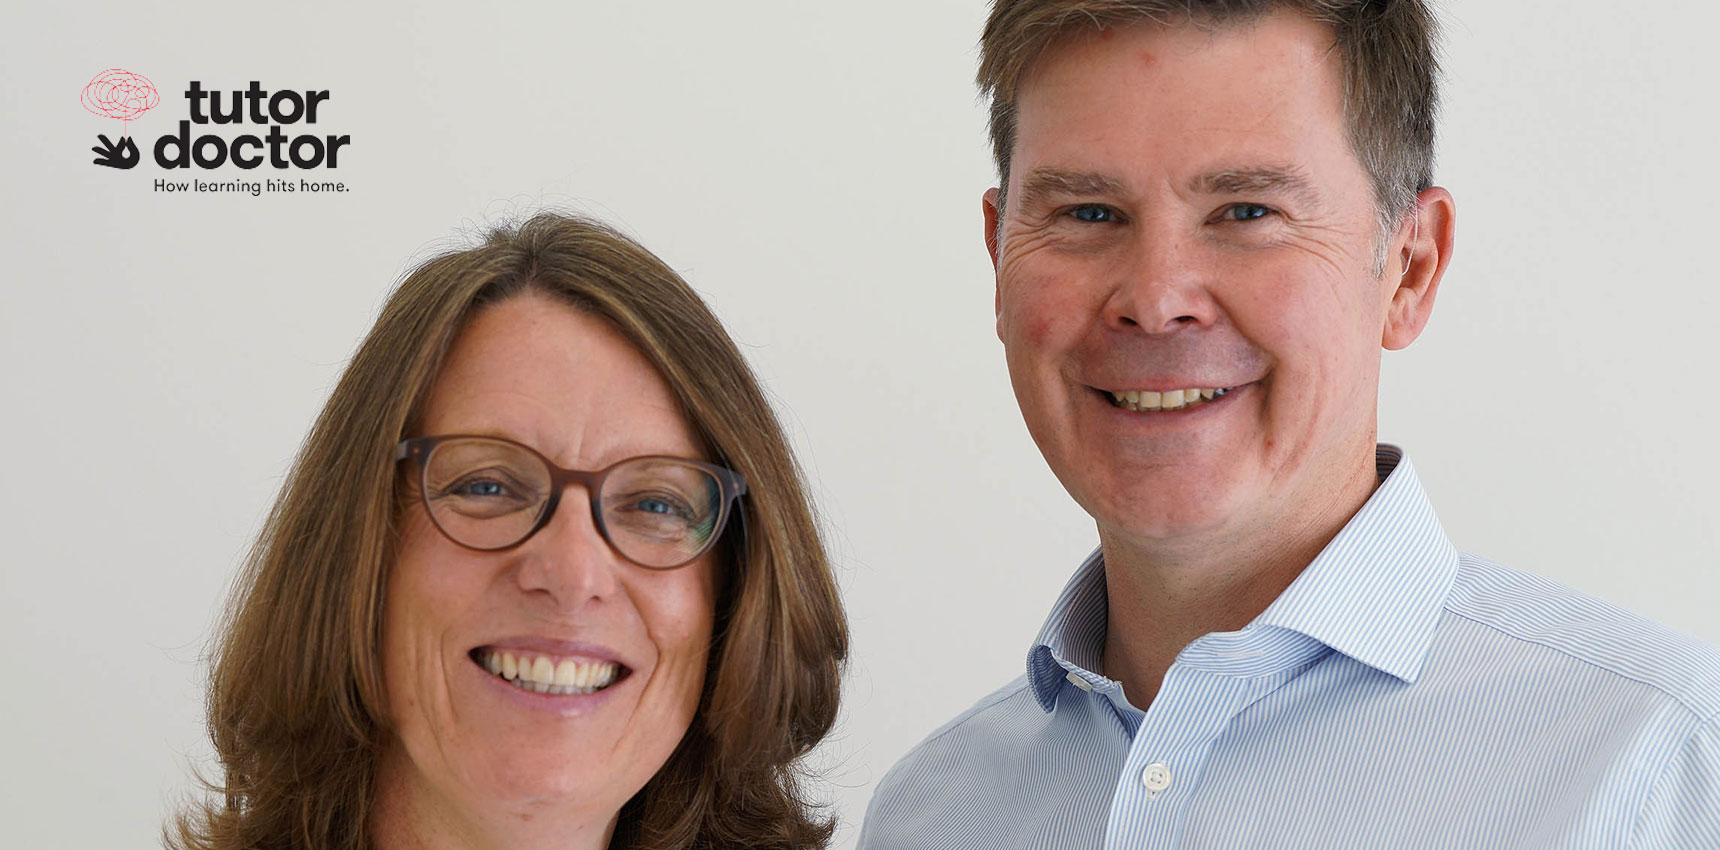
(544, 574)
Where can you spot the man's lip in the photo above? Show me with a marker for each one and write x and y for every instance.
(1203, 408)
(1160, 385)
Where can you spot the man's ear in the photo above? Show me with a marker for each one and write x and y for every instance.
(1418, 265)
(992, 216)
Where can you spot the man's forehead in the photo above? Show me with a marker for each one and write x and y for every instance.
(1195, 33)
(1265, 44)
(1231, 111)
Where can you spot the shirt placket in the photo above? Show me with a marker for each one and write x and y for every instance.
(1167, 754)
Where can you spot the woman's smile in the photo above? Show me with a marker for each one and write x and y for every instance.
(548, 674)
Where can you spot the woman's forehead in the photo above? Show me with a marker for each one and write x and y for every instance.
(559, 379)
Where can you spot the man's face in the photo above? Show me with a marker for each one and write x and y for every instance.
(1185, 212)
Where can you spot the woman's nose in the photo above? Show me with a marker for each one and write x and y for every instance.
(568, 558)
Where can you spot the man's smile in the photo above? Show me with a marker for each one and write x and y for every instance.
(1150, 400)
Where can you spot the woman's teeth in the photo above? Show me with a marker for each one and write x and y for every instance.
(543, 674)
(1139, 400)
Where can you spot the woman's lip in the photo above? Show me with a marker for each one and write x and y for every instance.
(534, 645)
(481, 656)
(566, 705)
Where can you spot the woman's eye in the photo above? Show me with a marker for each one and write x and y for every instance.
(654, 506)
(1245, 212)
(1093, 214)
(479, 488)
(486, 485)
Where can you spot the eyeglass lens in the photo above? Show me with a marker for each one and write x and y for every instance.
(486, 494)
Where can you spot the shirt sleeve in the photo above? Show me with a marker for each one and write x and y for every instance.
(1683, 807)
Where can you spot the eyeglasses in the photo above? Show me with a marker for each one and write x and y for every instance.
(488, 493)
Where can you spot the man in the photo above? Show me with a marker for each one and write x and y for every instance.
(1209, 223)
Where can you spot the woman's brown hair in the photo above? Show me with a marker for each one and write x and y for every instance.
(297, 710)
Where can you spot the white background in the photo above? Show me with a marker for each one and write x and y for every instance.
(815, 171)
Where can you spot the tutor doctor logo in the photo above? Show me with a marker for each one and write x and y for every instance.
(248, 128)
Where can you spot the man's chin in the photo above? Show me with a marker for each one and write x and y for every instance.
(1165, 518)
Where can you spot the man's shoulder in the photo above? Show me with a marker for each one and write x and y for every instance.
(990, 739)
(995, 713)
(1542, 616)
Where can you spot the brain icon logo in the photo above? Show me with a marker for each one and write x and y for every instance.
(120, 94)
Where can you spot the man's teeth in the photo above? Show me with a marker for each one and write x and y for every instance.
(1138, 400)
(543, 674)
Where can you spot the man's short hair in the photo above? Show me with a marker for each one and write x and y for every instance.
(1390, 72)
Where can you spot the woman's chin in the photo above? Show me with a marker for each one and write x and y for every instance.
(509, 772)
(523, 750)
(544, 785)
(539, 784)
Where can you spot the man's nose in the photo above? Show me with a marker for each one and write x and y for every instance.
(568, 558)
(1158, 283)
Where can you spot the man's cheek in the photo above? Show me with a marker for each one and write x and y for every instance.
(1039, 329)
(1034, 317)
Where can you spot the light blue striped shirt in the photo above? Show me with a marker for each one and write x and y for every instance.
(1398, 694)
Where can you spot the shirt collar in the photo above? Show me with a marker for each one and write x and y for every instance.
(1375, 592)
(1073, 638)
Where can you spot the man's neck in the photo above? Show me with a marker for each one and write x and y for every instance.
(1162, 595)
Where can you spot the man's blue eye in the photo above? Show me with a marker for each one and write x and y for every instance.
(1093, 214)
(1245, 212)
(655, 506)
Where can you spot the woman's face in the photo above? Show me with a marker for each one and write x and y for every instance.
(536, 371)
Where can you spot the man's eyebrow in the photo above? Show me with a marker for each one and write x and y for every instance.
(1261, 180)
(1042, 182)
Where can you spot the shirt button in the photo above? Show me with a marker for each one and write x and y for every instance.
(1076, 680)
(1156, 777)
